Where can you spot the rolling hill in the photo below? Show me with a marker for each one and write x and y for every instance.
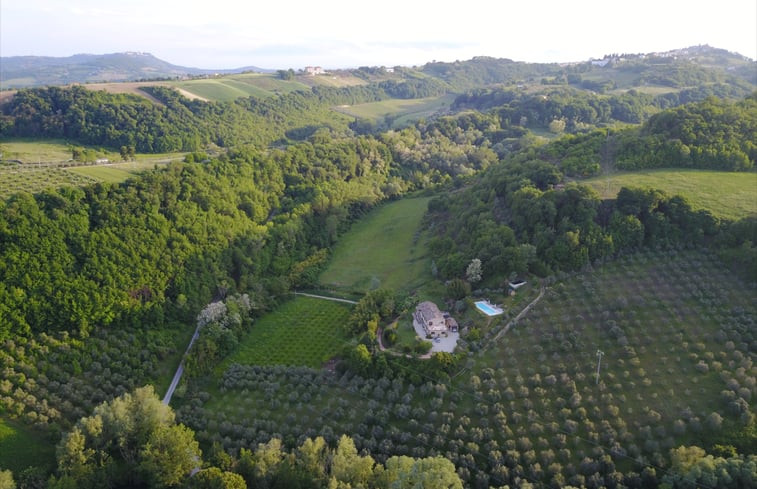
(32, 71)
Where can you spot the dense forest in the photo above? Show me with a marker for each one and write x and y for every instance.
(180, 124)
(98, 282)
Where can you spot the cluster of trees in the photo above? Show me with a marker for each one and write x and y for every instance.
(134, 441)
(221, 325)
(581, 110)
(710, 134)
(514, 222)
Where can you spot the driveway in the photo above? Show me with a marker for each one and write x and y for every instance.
(447, 343)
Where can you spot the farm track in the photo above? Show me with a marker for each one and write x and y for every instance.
(518, 317)
(335, 299)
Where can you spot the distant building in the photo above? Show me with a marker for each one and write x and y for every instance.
(600, 62)
(389, 70)
(314, 70)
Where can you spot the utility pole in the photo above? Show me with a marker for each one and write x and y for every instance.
(599, 362)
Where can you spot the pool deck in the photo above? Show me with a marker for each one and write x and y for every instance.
(480, 305)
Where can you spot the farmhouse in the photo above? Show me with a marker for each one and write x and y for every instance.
(433, 321)
(314, 70)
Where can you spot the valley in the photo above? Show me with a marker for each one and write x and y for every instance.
(608, 211)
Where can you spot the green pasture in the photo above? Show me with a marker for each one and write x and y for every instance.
(303, 331)
(109, 174)
(383, 249)
(20, 447)
(332, 80)
(403, 110)
(727, 195)
(231, 87)
(35, 151)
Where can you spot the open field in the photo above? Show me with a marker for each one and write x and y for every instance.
(402, 110)
(338, 79)
(131, 88)
(222, 89)
(21, 448)
(303, 331)
(727, 195)
(36, 150)
(383, 249)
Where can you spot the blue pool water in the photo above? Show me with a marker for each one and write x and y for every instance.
(488, 309)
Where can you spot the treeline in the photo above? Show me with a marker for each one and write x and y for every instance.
(518, 217)
(180, 124)
(663, 71)
(580, 109)
(484, 70)
(712, 134)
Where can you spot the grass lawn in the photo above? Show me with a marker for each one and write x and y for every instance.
(728, 195)
(405, 110)
(382, 249)
(21, 447)
(110, 174)
(303, 331)
(35, 150)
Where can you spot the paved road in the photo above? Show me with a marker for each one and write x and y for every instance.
(180, 370)
(335, 299)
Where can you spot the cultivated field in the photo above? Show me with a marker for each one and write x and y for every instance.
(383, 249)
(729, 195)
(34, 166)
(677, 332)
(303, 331)
(231, 87)
(401, 111)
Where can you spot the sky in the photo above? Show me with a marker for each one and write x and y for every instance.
(221, 34)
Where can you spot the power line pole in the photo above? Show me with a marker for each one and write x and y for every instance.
(599, 362)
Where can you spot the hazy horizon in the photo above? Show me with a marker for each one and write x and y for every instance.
(338, 34)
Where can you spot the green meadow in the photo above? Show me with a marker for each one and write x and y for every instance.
(727, 195)
(20, 447)
(383, 249)
(403, 110)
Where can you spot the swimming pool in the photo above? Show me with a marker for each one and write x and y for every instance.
(488, 309)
